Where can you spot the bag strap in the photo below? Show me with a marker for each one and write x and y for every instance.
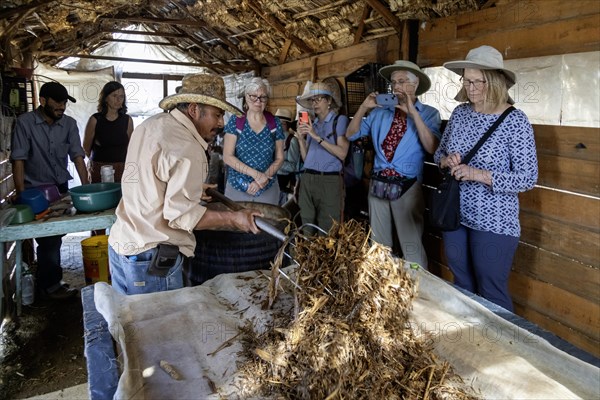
(270, 118)
(485, 137)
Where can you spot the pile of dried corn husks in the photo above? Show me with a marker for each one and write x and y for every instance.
(350, 335)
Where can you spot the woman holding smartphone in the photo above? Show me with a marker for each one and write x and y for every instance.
(323, 148)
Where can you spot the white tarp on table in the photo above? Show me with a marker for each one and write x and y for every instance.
(188, 328)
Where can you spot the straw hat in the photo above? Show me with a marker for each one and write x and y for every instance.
(203, 89)
(327, 87)
(284, 114)
(403, 65)
(483, 57)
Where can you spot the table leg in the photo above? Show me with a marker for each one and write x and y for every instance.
(18, 274)
(2, 274)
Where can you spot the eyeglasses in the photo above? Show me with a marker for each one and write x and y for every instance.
(254, 98)
(401, 82)
(477, 83)
(316, 99)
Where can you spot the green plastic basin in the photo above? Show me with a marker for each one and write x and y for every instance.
(22, 215)
(96, 196)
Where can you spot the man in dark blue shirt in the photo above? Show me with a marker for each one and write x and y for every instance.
(41, 141)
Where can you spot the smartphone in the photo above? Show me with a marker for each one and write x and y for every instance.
(387, 100)
(303, 117)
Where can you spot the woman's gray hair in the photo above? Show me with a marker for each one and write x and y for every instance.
(257, 83)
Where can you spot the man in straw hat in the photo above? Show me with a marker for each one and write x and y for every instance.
(162, 188)
(401, 136)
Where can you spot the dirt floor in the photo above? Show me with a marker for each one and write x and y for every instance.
(42, 351)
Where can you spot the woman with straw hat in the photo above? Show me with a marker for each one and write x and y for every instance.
(253, 148)
(287, 174)
(323, 148)
(153, 237)
(481, 251)
(402, 135)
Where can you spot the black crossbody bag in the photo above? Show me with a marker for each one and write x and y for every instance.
(444, 201)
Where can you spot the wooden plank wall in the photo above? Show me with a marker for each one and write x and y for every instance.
(555, 281)
(288, 80)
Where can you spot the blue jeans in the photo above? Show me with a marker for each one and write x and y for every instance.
(49, 272)
(129, 274)
(481, 262)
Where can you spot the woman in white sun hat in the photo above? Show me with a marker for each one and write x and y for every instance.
(323, 147)
(481, 251)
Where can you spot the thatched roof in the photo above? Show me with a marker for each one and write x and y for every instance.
(224, 35)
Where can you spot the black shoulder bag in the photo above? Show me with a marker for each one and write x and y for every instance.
(444, 202)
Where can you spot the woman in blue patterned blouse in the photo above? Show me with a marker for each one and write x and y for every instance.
(481, 251)
(253, 149)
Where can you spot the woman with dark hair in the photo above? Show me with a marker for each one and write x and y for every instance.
(107, 133)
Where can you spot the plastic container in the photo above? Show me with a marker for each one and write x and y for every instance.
(107, 173)
(96, 196)
(50, 192)
(27, 286)
(35, 199)
(22, 215)
(95, 259)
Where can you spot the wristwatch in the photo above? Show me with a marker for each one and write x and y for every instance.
(320, 140)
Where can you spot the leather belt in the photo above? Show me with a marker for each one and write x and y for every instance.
(315, 172)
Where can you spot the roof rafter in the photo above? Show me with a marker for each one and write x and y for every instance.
(275, 24)
(387, 15)
(142, 60)
(156, 20)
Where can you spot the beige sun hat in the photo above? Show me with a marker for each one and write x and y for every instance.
(203, 89)
(284, 114)
(326, 87)
(403, 65)
(482, 57)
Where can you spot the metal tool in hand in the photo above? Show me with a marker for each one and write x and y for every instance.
(266, 227)
(260, 222)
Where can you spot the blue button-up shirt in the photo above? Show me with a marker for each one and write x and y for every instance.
(410, 154)
(45, 148)
(317, 157)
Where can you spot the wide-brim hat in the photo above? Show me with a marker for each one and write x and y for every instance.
(203, 89)
(325, 88)
(284, 114)
(403, 65)
(482, 57)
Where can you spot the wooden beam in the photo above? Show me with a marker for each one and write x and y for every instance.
(488, 4)
(161, 34)
(275, 24)
(139, 42)
(361, 25)
(284, 51)
(156, 77)
(22, 9)
(317, 10)
(142, 60)
(155, 20)
(404, 41)
(387, 15)
(232, 46)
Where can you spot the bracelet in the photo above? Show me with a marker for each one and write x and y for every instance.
(320, 140)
